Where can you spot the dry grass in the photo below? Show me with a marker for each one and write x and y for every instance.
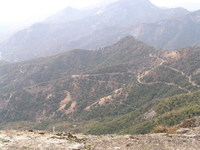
(165, 129)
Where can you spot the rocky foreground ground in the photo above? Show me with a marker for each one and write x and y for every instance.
(187, 139)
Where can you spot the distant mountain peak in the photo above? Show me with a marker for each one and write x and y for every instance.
(135, 2)
(128, 38)
(131, 40)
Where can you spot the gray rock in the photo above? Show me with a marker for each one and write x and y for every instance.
(182, 130)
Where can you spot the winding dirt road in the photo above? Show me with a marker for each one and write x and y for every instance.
(162, 61)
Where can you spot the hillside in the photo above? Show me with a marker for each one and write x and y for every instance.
(118, 83)
(65, 31)
(163, 112)
(96, 70)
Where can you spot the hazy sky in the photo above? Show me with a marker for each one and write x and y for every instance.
(20, 11)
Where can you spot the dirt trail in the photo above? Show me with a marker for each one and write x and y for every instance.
(162, 61)
(189, 77)
(142, 75)
(95, 75)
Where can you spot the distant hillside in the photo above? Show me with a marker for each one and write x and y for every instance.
(171, 33)
(99, 87)
(92, 29)
(68, 73)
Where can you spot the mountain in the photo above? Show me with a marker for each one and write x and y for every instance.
(168, 34)
(65, 31)
(128, 12)
(123, 82)
(171, 33)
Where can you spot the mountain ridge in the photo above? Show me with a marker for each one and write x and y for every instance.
(51, 38)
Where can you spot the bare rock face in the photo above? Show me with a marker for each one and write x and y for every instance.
(150, 115)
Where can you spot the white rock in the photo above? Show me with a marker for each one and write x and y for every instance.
(127, 136)
(76, 147)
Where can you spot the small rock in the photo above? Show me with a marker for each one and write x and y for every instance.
(192, 136)
(129, 145)
(30, 130)
(41, 133)
(182, 130)
(134, 137)
(4, 140)
(70, 135)
(59, 134)
(117, 148)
